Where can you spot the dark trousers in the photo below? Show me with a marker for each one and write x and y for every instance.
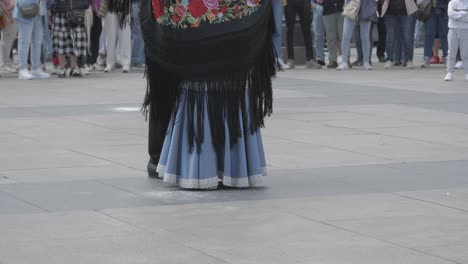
(303, 8)
(96, 30)
(156, 134)
(382, 42)
(436, 25)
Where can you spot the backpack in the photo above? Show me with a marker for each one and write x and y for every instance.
(424, 10)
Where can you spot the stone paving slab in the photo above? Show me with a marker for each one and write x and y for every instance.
(364, 167)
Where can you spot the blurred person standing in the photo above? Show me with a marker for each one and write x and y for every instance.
(301, 8)
(437, 25)
(8, 36)
(366, 14)
(333, 21)
(319, 30)
(29, 16)
(400, 23)
(278, 12)
(138, 49)
(118, 34)
(457, 36)
(69, 34)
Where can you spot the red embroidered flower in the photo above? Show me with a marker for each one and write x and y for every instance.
(158, 8)
(223, 9)
(181, 10)
(236, 9)
(197, 8)
(176, 18)
(214, 11)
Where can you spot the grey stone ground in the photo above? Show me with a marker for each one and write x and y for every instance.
(365, 167)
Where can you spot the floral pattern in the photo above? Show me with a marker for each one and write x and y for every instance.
(192, 13)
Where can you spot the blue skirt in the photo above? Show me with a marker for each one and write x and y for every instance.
(241, 165)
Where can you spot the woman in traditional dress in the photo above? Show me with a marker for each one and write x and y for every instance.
(209, 69)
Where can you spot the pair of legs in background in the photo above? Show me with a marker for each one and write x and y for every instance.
(364, 31)
(457, 39)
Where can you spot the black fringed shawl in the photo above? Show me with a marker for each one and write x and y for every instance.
(122, 9)
(219, 48)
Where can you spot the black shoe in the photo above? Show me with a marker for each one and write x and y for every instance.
(62, 73)
(321, 62)
(151, 168)
(76, 73)
(332, 65)
(382, 59)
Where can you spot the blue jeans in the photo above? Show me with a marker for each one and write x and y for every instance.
(400, 29)
(357, 38)
(348, 29)
(417, 35)
(30, 35)
(138, 48)
(319, 34)
(47, 37)
(437, 23)
(278, 12)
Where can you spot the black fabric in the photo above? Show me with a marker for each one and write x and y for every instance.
(95, 34)
(216, 65)
(397, 8)
(303, 9)
(332, 6)
(66, 5)
(382, 42)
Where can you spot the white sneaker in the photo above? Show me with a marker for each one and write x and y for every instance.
(426, 63)
(282, 66)
(367, 66)
(448, 77)
(343, 67)
(409, 65)
(388, 65)
(39, 74)
(24, 75)
(138, 67)
(85, 71)
(109, 68)
(98, 67)
(459, 65)
(339, 60)
(126, 69)
(7, 68)
(291, 64)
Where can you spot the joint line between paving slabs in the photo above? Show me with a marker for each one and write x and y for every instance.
(335, 148)
(24, 201)
(429, 202)
(381, 240)
(154, 233)
(89, 155)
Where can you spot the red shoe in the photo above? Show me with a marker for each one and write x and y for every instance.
(55, 60)
(435, 60)
(442, 60)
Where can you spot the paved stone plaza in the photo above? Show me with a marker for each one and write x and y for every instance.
(365, 167)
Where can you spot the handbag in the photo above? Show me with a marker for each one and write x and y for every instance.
(351, 9)
(77, 17)
(29, 11)
(424, 10)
